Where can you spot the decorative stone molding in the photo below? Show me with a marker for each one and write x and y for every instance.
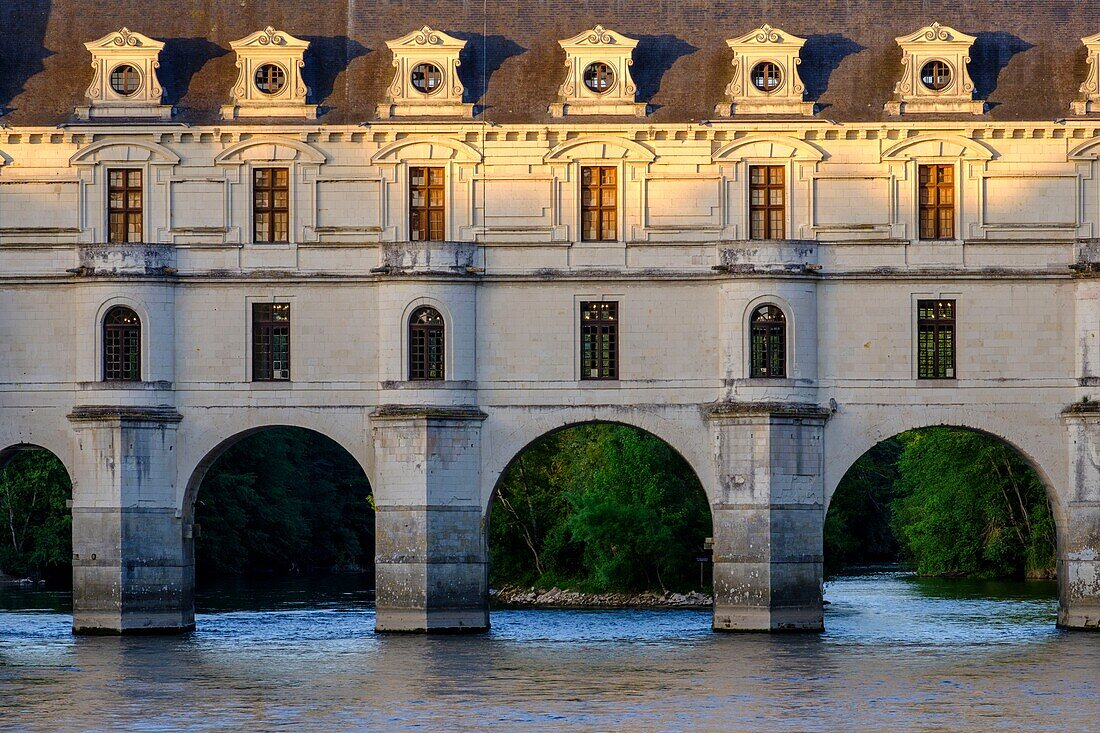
(765, 75)
(125, 82)
(598, 81)
(934, 77)
(426, 78)
(1090, 89)
(269, 83)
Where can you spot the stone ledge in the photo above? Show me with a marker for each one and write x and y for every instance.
(96, 413)
(1082, 409)
(441, 412)
(807, 410)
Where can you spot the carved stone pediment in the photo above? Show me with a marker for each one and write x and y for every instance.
(1089, 101)
(425, 81)
(269, 80)
(934, 75)
(765, 75)
(598, 81)
(125, 82)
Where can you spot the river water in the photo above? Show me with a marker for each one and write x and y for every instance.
(900, 653)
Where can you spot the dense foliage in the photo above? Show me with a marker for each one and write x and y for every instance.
(282, 501)
(36, 541)
(599, 508)
(947, 502)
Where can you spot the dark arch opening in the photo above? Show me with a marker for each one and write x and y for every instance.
(603, 509)
(285, 511)
(36, 542)
(944, 502)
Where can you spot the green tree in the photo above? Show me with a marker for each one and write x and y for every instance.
(970, 505)
(37, 536)
(858, 525)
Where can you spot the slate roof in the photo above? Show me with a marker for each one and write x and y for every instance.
(1028, 61)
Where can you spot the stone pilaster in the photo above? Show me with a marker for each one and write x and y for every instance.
(768, 517)
(431, 562)
(1079, 530)
(131, 570)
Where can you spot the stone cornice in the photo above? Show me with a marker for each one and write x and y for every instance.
(121, 413)
(799, 410)
(427, 412)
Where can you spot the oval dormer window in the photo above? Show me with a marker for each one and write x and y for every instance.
(599, 77)
(767, 76)
(125, 80)
(270, 78)
(427, 78)
(936, 75)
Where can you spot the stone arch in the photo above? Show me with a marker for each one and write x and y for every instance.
(434, 148)
(684, 431)
(938, 145)
(853, 443)
(270, 149)
(209, 451)
(768, 146)
(1086, 151)
(136, 151)
(12, 450)
(603, 147)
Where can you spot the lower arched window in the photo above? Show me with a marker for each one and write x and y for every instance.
(768, 336)
(426, 344)
(122, 345)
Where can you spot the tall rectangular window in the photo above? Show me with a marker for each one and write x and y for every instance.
(936, 339)
(600, 340)
(427, 208)
(767, 202)
(599, 203)
(937, 202)
(271, 205)
(270, 342)
(124, 205)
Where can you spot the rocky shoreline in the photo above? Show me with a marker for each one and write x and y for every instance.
(514, 596)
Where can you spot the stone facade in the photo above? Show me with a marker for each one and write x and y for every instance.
(508, 278)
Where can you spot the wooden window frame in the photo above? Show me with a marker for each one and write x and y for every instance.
(937, 316)
(126, 339)
(773, 227)
(942, 215)
(272, 210)
(603, 212)
(599, 364)
(421, 228)
(127, 212)
(427, 346)
(770, 360)
(265, 328)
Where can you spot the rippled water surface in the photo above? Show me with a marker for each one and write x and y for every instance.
(899, 654)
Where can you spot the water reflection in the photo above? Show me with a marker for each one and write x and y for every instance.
(899, 653)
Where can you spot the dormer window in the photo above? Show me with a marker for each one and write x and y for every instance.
(270, 79)
(767, 76)
(936, 75)
(269, 82)
(125, 80)
(599, 77)
(427, 78)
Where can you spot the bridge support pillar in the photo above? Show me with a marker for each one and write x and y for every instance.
(769, 518)
(131, 570)
(431, 564)
(1079, 533)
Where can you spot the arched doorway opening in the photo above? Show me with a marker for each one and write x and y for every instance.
(35, 519)
(281, 514)
(605, 511)
(955, 512)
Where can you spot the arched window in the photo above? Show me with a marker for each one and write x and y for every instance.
(426, 344)
(768, 334)
(122, 345)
